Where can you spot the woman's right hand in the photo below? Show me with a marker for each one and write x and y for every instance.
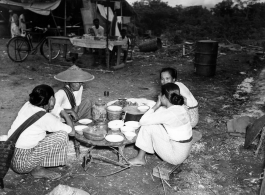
(72, 133)
(158, 103)
(74, 115)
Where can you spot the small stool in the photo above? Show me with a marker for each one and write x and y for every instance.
(164, 170)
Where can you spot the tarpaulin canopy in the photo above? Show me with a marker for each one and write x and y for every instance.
(42, 8)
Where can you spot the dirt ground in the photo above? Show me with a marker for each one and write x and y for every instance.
(218, 163)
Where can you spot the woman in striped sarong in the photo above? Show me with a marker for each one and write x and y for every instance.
(36, 150)
(169, 75)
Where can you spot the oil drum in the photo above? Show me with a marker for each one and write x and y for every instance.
(205, 57)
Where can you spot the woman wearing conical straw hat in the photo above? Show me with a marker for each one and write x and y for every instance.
(70, 105)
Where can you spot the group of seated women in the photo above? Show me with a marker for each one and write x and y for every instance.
(166, 128)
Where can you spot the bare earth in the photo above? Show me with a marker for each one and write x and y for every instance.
(218, 164)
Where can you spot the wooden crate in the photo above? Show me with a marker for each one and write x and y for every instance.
(164, 170)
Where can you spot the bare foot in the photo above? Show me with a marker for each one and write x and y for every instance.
(41, 172)
(137, 161)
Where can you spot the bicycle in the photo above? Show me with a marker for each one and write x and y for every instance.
(19, 47)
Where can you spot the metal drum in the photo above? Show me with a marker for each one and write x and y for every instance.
(150, 45)
(205, 57)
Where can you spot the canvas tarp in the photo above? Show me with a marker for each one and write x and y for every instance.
(42, 8)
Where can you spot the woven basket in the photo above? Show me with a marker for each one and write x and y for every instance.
(114, 115)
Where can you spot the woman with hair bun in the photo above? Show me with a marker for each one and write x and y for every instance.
(169, 75)
(167, 132)
(35, 149)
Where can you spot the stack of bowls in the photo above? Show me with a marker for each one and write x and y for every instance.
(129, 132)
(115, 125)
(133, 124)
(129, 129)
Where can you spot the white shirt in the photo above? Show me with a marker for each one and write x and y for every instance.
(99, 32)
(37, 131)
(22, 25)
(175, 120)
(125, 42)
(185, 92)
(62, 101)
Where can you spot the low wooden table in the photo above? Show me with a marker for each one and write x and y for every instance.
(99, 44)
(104, 143)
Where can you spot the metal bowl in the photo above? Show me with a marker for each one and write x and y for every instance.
(91, 134)
(93, 137)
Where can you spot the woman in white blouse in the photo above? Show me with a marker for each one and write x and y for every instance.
(36, 150)
(167, 132)
(169, 75)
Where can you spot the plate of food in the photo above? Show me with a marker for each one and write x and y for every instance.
(132, 102)
(123, 102)
(114, 138)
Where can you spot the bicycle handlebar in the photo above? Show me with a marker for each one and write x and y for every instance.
(39, 28)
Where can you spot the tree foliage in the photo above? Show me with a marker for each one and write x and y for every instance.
(229, 19)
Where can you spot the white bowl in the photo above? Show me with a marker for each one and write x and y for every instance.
(127, 129)
(85, 121)
(129, 135)
(143, 108)
(115, 125)
(114, 138)
(114, 108)
(79, 129)
(134, 124)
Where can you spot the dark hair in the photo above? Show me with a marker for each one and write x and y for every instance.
(172, 71)
(41, 95)
(96, 19)
(123, 30)
(172, 93)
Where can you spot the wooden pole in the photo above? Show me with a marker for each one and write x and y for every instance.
(65, 46)
(262, 189)
(121, 14)
(107, 47)
(64, 17)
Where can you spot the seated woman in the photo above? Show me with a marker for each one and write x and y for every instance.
(169, 75)
(167, 132)
(35, 149)
(69, 103)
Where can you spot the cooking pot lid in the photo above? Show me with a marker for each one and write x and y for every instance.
(94, 130)
(132, 110)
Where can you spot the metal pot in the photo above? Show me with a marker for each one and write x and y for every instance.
(102, 126)
(132, 113)
(96, 132)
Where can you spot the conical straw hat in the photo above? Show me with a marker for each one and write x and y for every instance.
(74, 74)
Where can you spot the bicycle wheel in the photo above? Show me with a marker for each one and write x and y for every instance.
(55, 50)
(18, 49)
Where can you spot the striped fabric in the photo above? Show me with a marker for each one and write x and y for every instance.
(84, 109)
(194, 115)
(50, 152)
